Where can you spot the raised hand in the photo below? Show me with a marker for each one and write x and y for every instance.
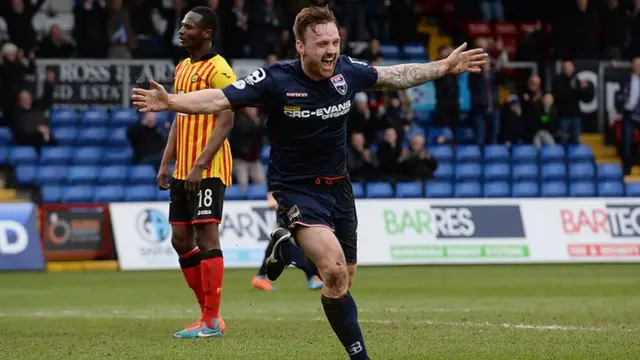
(153, 100)
(461, 61)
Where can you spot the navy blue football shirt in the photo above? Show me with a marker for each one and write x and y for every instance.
(307, 119)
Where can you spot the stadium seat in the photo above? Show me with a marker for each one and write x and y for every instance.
(525, 189)
(553, 189)
(524, 154)
(26, 174)
(257, 192)
(96, 116)
(497, 189)
(633, 189)
(56, 155)
(4, 155)
(5, 136)
(525, 172)
(581, 172)
(436, 132)
(468, 190)
(82, 175)
(468, 154)
(610, 172)
(409, 190)
(115, 156)
(87, 156)
(77, 194)
(553, 172)
(478, 28)
(113, 174)
(438, 190)
(163, 117)
(580, 153)
(234, 192)
(51, 174)
(118, 137)
(497, 172)
(108, 193)
(377, 190)
(92, 136)
(496, 154)
(468, 172)
(264, 154)
(442, 153)
(142, 174)
(412, 51)
(465, 135)
(63, 117)
(23, 155)
(140, 193)
(552, 154)
(611, 189)
(163, 195)
(389, 51)
(50, 194)
(582, 189)
(123, 117)
(66, 135)
(358, 190)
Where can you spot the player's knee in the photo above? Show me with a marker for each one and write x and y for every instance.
(207, 236)
(335, 276)
(181, 241)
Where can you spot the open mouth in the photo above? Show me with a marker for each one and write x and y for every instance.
(327, 63)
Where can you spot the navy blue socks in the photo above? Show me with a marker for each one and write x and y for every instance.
(342, 314)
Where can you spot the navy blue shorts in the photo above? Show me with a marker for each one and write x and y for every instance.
(327, 202)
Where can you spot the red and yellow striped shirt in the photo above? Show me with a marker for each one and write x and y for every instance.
(194, 130)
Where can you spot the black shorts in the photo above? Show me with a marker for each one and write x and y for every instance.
(186, 208)
(328, 203)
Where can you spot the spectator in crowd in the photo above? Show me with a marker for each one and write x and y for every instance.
(361, 163)
(531, 103)
(373, 51)
(122, 39)
(170, 36)
(29, 125)
(147, 140)
(631, 115)
(56, 45)
(378, 19)
(12, 75)
(615, 24)
(90, 29)
(547, 123)
(420, 164)
(143, 27)
(19, 18)
(360, 116)
(634, 31)
(267, 19)
(583, 41)
(568, 91)
(512, 121)
(447, 97)
(247, 139)
(238, 25)
(391, 156)
(492, 10)
(397, 116)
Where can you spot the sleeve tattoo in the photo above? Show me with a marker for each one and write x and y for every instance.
(404, 76)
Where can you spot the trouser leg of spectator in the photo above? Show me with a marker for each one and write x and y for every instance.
(575, 129)
(256, 173)
(241, 169)
(495, 126)
(627, 143)
(564, 125)
(496, 10)
(480, 128)
(543, 137)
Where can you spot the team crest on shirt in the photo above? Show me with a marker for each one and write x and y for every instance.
(340, 84)
(194, 78)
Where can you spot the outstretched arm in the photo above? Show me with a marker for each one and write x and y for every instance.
(199, 102)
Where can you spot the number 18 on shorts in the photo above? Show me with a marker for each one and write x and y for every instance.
(205, 206)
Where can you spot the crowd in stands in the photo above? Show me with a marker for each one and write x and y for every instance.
(388, 139)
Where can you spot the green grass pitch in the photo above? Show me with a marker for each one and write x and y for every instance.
(427, 312)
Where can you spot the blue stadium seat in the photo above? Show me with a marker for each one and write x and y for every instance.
(96, 116)
(553, 172)
(409, 190)
(438, 190)
(442, 153)
(444, 172)
(497, 189)
(87, 156)
(610, 172)
(468, 154)
(82, 175)
(56, 155)
(552, 154)
(468, 172)
(389, 51)
(525, 189)
(468, 190)
(51, 174)
(580, 153)
(412, 51)
(163, 195)
(163, 117)
(123, 117)
(377, 190)
(23, 155)
(65, 135)
(581, 172)
(77, 194)
(140, 193)
(63, 117)
(108, 193)
(496, 154)
(4, 155)
(524, 154)
(115, 156)
(234, 192)
(611, 189)
(633, 189)
(554, 189)
(92, 136)
(50, 194)
(113, 174)
(582, 189)
(118, 137)
(358, 190)
(26, 174)
(465, 135)
(525, 172)
(264, 154)
(497, 172)
(257, 192)
(142, 174)
(5, 136)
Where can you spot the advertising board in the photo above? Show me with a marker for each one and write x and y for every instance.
(19, 238)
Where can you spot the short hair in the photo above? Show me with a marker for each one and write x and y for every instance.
(311, 16)
(209, 19)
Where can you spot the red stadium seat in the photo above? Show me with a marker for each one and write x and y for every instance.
(510, 44)
(528, 27)
(506, 29)
(477, 29)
